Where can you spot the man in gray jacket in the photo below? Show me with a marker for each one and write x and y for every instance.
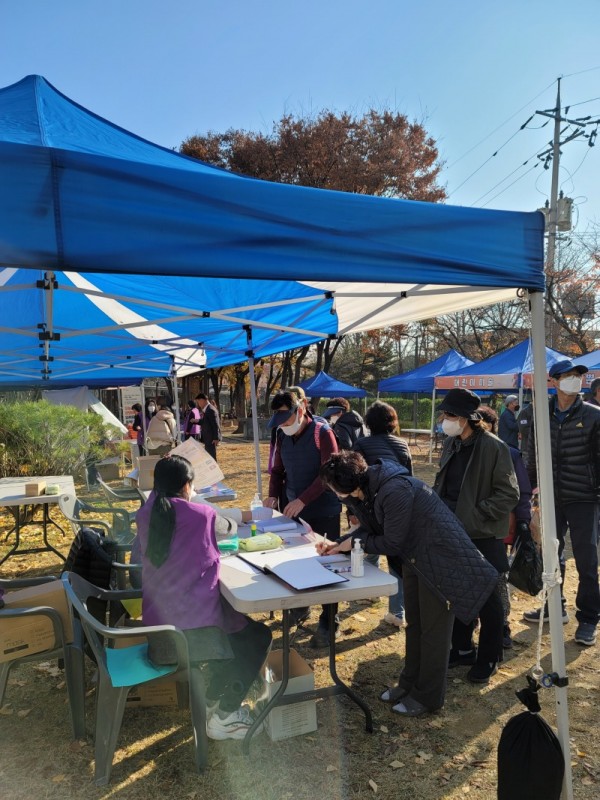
(575, 445)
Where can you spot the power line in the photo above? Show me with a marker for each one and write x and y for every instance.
(485, 138)
(510, 184)
(506, 177)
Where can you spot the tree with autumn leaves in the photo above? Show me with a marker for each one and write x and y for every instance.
(380, 153)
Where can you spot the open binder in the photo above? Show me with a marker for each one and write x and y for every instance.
(299, 567)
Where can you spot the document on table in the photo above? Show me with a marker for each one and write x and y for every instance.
(299, 567)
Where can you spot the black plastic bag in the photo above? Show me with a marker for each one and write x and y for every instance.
(526, 569)
(531, 765)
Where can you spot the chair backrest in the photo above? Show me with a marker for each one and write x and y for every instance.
(124, 495)
(71, 508)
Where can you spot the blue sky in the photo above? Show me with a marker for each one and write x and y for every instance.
(467, 68)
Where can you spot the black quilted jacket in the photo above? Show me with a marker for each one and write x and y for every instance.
(384, 446)
(405, 520)
(575, 446)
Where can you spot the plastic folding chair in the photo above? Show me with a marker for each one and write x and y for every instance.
(120, 668)
(71, 653)
(115, 496)
(72, 509)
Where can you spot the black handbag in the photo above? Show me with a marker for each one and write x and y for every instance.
(526, 567)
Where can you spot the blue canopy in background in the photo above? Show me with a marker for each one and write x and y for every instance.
(323, 385)
(421, 379)
(503, 371)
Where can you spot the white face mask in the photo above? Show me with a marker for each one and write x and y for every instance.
(152, 409)
(452, 427)
(334, 418)
(290, 430)
(570, 385)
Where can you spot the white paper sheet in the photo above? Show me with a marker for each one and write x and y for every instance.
(206, 470)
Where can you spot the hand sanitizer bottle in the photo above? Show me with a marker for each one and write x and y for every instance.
(357, 566)
(255, 503)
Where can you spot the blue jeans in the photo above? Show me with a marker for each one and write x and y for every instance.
(395, 601)
(582, 521)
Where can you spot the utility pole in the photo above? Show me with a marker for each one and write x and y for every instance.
(553, 212)
(554, 222)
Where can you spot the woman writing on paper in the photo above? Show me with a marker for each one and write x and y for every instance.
(444, 573)
(180, 573)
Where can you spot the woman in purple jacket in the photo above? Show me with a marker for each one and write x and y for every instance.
(180, 575)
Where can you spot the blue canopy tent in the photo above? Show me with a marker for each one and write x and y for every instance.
(323, 385)
(421, 379)
(503, 372)
(79, 195)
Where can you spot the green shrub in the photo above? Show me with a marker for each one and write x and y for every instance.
(38, 438)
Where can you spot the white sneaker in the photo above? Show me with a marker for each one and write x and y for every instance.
(392, 619)
(233, 726)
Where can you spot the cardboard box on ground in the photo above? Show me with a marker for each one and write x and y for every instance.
(297, 718)
(29, 635)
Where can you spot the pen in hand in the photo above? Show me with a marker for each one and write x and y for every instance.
(322, 545)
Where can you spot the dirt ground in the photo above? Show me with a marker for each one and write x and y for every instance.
(449, 755)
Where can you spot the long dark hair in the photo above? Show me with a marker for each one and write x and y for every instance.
(170, 476)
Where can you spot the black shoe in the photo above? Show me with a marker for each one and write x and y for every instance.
(320, 638)
(506, 638)
(457, 659)
(299, 615)
(481, 673)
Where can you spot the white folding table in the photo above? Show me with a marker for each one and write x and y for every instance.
(250, 593)
(23, 509)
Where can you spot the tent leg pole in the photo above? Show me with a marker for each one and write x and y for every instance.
(255, 431)
(143, 391)
(549, 541)
(176, 399)
(432, 435)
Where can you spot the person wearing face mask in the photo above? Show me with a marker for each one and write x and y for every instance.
(302, 445)
(477, 481)
(444, 574)
(575, 446)
(180, 574)
(508, 427)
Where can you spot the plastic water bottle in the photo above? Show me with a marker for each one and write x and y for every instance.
(357, 556)
(255, 504)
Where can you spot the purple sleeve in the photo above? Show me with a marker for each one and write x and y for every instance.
(522, 510)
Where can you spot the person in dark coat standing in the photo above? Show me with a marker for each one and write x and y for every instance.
(444, 574)
(508, 427)
(477, 482)
(382, 421)
(210, 427)
(302, 444)
(575, 447)
(347, 424)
